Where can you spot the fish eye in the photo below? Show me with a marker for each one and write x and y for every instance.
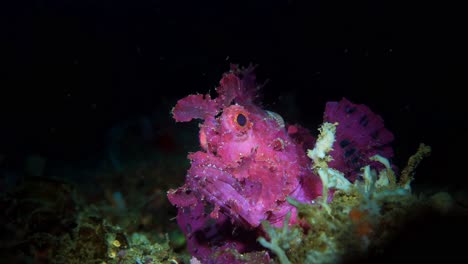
(241, 120)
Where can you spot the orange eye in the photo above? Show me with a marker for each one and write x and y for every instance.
(241, 120)
(236, 118)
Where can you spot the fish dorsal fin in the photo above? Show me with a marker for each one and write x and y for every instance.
(360, 134)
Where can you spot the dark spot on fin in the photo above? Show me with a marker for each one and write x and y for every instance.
(349, 109)
(344, 143)
(349, 152)
(363, 121)
(355, 160)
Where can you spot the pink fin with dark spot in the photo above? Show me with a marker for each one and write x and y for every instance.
(360, 135)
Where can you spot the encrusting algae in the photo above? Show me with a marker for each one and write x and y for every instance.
(360, 218)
